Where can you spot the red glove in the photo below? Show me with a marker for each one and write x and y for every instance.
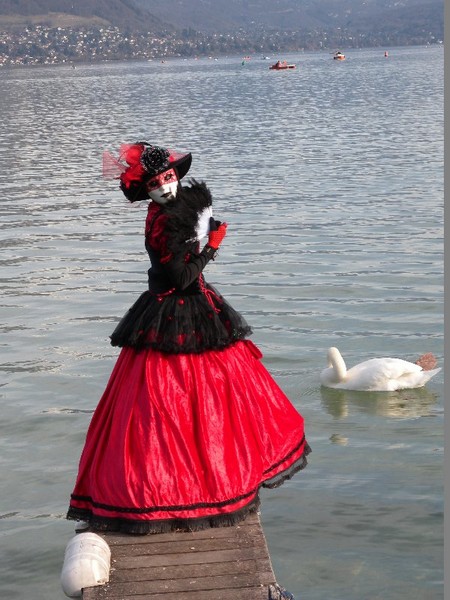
(215, 237)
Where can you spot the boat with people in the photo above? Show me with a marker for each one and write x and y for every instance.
(282, 64)
(339, 56)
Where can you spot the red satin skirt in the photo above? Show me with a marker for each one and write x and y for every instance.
(185, 441)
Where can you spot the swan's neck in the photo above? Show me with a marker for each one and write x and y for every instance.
(336, 361)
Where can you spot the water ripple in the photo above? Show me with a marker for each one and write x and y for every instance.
(331, 181)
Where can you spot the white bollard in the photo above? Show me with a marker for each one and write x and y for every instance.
(87, 560)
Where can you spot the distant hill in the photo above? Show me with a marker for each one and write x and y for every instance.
(125, 14)
(414, 17)
(362, 15)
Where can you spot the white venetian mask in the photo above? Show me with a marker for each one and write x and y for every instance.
(163, 187)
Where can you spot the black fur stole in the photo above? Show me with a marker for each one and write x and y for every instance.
(184, 213)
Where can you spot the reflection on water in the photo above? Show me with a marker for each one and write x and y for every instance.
(339, 439)
(406, 404)
(58, 411)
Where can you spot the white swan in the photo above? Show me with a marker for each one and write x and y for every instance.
(375, 374)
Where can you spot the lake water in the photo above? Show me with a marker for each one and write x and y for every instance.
(331, 179)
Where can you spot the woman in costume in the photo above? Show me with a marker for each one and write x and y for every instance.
(191, 425)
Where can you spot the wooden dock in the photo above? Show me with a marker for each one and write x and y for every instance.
(224, 563)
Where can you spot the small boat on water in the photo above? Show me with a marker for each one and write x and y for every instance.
(280, 65)
(339, 56)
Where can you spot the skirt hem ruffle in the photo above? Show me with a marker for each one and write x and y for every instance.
(288, 473)
(144, 527)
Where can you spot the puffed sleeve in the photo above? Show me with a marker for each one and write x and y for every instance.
(155, 233)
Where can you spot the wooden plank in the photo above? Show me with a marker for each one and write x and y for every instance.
(190, 559)
(253, 593)
(225, 563)
(240, 581)
(191, 546)
(176, 571)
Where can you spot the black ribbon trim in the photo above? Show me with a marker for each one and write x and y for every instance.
(280, 462)
(164, 508)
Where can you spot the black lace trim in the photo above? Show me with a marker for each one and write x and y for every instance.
(97, 523)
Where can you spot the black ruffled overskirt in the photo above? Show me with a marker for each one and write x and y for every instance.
(181, 323)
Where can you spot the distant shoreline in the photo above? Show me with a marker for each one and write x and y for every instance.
(41, 45)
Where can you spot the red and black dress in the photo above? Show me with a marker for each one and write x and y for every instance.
(191, 424)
